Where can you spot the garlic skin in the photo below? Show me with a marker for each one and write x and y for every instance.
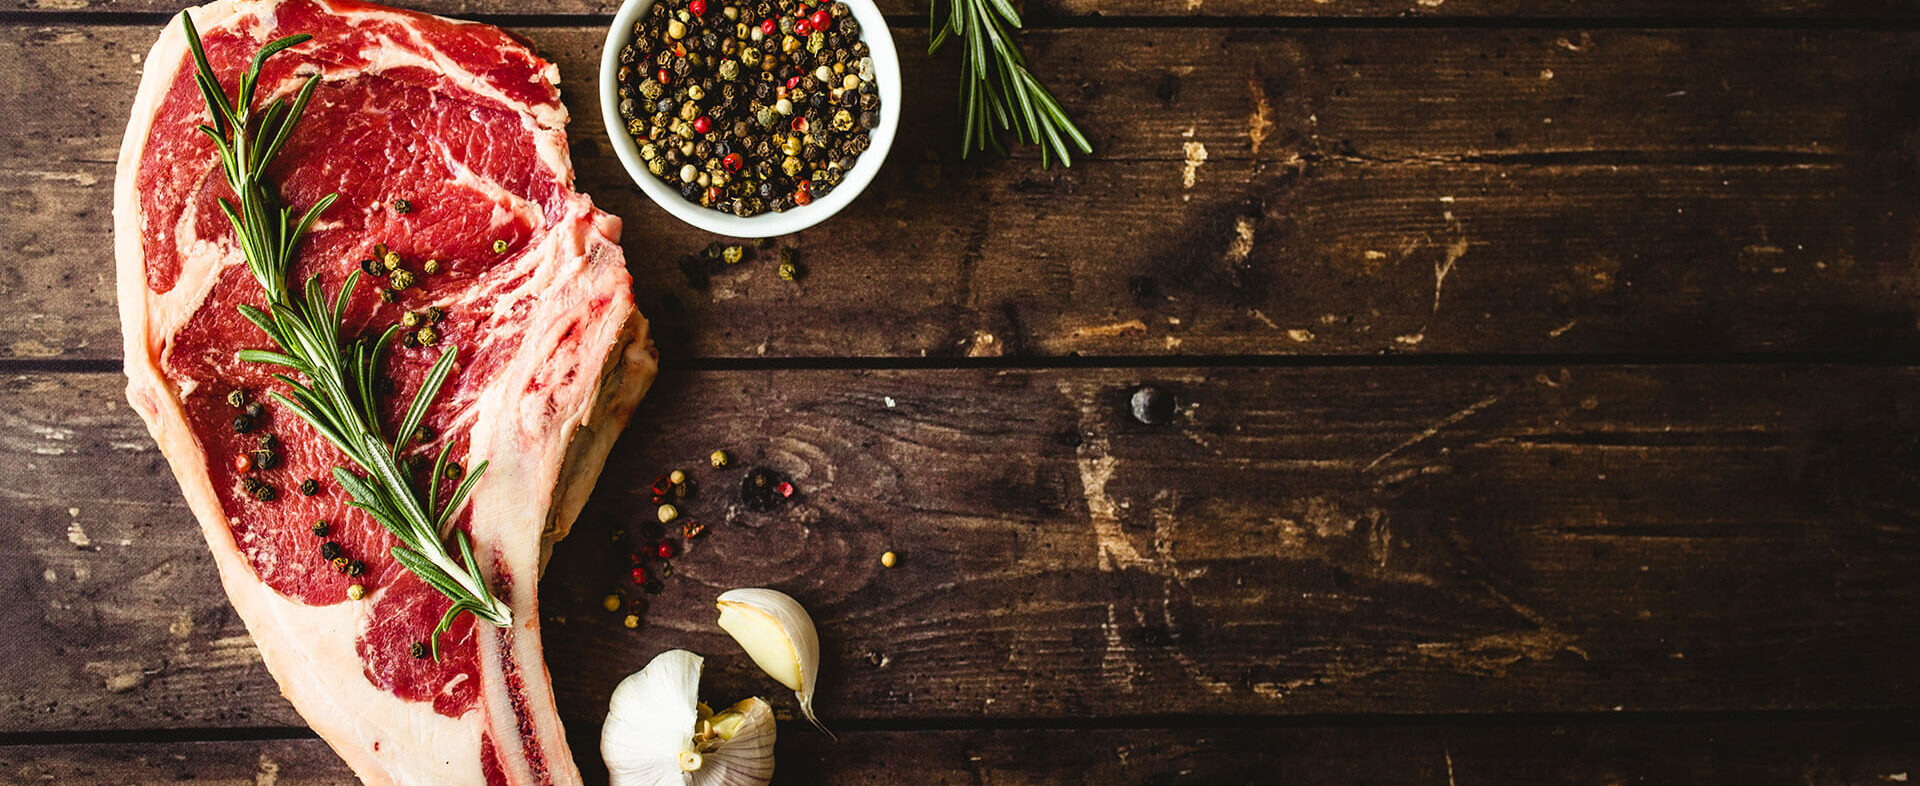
(777, 633)
(658, 733)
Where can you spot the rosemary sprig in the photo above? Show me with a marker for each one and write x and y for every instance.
(338, 396)
(996, 89)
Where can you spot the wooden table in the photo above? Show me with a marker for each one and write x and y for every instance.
(1546, 412)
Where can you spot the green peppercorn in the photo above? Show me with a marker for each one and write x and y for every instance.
(387, 295)
(400, 279)
(733, 254)
(410, 320)
(431, 266)
(390, 261)
(428, 336)
(452, 472)
(499, 246)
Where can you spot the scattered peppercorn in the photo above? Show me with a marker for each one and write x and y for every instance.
(371, 267)
(684, 491)
(668, 513)
(632, 621)
(409, 320)
(309, 487)
(356, 592)
(390, 260)
(256, 411)
(402, 206)
(321, 528)
(243, 463)
(266, 459)
(330, 550)
(435, 314)
(719, 459)
(428, 336)
(356, 567)
(639, 574)
(418, 650)
(400, 278)
(758, 490)
(887, 560)
(452, 472)
(676, 476)
(237, 397)
(431, 266)
(692, 529)
(665, 550)
(387, 295)
(242, 424)
(499, 246)
(268, 442)
(340, 563)
(264, 492)
(610, 603)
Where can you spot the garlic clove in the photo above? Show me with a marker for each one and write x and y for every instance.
(650, 722)
(779, 636)
(658, 733)
(744, 752)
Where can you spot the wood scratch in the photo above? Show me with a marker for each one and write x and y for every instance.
(1241, 246)
(1436, 428)
(1196, 154)
(1260, 123)
(1128, 327)
(1448, 751)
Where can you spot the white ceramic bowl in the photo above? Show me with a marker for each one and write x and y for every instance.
(873, 30)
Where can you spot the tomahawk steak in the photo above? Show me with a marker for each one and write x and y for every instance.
(445, 141)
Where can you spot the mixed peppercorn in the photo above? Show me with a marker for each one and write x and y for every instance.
(651, 545)
(753, 106)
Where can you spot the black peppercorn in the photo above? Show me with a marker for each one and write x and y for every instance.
(266, 459)
(329, 550)
(309, 487)
(356, 567)
(1151, 405)
(320, 529)
(418, 649)
(242, 424)
(237, 397)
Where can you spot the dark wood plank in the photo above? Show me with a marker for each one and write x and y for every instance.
(1298, 541)
(1067, 11)
(1864, 754)
(1695, 191)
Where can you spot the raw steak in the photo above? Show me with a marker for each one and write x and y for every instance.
(465, 123)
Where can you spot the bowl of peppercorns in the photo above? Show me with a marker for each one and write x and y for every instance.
(750, 118)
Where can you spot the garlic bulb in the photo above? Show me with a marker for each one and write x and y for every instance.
(659, 734)
(777, 633)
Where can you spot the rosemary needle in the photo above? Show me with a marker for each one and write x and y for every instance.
(996, 89)
(338, 395)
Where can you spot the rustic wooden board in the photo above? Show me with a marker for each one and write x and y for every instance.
(1253, 11)
(1694, 192)
(1862, 754)
(1297, 542)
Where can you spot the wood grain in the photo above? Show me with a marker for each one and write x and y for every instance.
(1863, 754)
(1425, 191)
(1044, 12)
(1297, 542)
